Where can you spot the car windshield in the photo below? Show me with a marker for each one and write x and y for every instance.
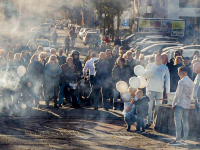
(43, 43)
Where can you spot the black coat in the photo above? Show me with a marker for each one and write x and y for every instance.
(117, 42)
(78, 66)
(120, 74)
(142, 106)
(174, 78)
(35, 71)
(102, 72)
(61, 60)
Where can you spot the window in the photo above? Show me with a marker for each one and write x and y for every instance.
(189, 3)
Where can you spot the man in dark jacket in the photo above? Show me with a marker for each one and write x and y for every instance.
(77, 63)
(54, 37)
(101, 80)
(60, 57)
(67, 41)
(187, 63)
(119, 73)
(141, 109)
(117, 41)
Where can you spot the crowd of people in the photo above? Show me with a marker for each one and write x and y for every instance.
(53, 77)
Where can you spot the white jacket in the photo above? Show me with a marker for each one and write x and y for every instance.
(161, 75)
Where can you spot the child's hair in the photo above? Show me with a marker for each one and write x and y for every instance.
(130, 89)
(139, 92)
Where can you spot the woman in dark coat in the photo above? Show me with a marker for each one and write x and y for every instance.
(35, 72)
(120, 72)
(52, 79)
(174, 78)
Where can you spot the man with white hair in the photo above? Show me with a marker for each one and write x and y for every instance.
(155, 87)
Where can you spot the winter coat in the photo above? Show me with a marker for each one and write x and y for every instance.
(68, 74)
(142, 106)
(120, 74)
(51, 83)
(102, 72)
(35, 71)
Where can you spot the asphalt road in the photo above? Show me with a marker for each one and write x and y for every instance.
(68, 128)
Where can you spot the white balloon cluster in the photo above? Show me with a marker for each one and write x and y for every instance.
(135, 82)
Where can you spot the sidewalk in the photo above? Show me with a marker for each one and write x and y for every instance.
(68, 128)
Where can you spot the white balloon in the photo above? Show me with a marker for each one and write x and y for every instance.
(21, 70)
(151, 67)
(122, 86)
(139, 70)
(126, 97)
(134, 82)
(143, 82)
(148, 74)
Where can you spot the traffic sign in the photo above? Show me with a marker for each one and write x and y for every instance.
(126, 22)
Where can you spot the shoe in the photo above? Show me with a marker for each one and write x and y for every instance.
(143, 132)
(78, 106)
(136, 131)
(185, 142)
(88, 104)
(174, 143)
(121, 106)
(56, 106)
(147, 126)
(95, 108)
(115, 106)
(60, 105)
(106, 109)
(128, 128)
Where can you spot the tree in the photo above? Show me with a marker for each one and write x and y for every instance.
(110, 9)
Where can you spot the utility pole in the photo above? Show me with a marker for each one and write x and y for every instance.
(99, 22)
(83, 21)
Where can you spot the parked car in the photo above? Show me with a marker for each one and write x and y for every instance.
(82, 32)
(45, 43)
(58, 26)
(155, 47)
(37, 31)
(138, 40)
(65, 23)
(45, 25)
(186, 53)
(90, 36)
(129, 39)
(141, 46)
(182, 47)
(78, 28)
(159, 39)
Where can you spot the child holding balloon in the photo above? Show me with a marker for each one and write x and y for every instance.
(129, 107)
(141, 109)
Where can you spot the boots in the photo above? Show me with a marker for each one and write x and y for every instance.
(115, 106)
(55, 102)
